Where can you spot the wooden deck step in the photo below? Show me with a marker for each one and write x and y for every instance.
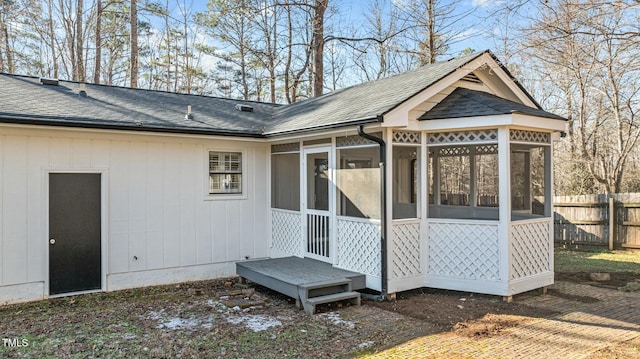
(335, 298)
(303, 279)
(328, 291)
(326, 287)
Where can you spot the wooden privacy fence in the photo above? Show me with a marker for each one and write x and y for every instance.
(597, 220)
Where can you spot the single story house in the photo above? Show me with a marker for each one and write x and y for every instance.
(439, 177)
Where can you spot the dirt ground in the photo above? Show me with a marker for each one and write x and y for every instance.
(224, 319)
(468, 314)
(476, 315)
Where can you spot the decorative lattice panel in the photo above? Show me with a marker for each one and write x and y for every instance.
(286, 232)
(490, 135)
(462, 250)
(486, 149)
(405, 261)
(406, 137)
(454, 151)
(529, 136)
(529, 248)
(355, 140)
(359, 247)
(286, 147)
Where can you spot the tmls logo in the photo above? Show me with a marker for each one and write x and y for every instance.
(15, 342)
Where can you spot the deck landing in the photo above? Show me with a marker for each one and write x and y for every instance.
(286, 275)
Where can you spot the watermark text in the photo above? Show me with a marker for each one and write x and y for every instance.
(15, 342)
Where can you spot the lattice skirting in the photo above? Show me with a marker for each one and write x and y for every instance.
(463, 250)
(359, 246)
(406, 256)
(286, 229)
(529, 248)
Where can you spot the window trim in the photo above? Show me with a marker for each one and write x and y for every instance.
(225, 196)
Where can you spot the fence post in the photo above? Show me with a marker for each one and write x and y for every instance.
(612, 222)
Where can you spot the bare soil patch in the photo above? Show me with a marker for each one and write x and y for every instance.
(467, 314)
(618, 279)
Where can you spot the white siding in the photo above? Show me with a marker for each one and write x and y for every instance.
(156, 205)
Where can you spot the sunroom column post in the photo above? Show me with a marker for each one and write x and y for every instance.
(504, 195)
(472, 183)
(548, 181)
(528, 198)
(423, 200)
(548, 200)
(390, 240)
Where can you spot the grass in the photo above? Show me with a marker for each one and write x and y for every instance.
(596, 261)
(128, 323)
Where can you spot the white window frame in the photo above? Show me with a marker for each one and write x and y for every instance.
(244, 176)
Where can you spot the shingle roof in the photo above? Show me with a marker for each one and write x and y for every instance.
(469, 103)
(26, 100)
(364, 102)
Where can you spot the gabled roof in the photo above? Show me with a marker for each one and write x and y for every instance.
(25, 100)
(463, 102)
(362, 103)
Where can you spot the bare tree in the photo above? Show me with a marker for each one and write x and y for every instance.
(133, 18)
(80, 73)
(98, 43)
(434, 25)
(580, 51)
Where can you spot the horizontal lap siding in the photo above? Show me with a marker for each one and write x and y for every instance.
(157, 215)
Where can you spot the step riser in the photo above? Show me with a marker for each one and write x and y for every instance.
(317, 292)
(326, 292)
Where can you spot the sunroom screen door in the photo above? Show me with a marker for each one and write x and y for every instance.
(317, 206)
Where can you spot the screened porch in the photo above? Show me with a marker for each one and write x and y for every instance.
(471, 210)
(466, 210)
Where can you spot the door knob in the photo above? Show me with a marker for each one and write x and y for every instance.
(52, 241)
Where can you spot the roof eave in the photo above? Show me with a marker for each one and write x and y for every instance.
(95, 126)
(364, 121)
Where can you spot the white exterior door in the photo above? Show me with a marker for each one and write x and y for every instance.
(318, 203)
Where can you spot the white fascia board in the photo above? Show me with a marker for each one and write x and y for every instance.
(536, 122)
(515, 120)
(81, 132)
(399, 116)
(507, 80)
(465, 123)
(344, 131)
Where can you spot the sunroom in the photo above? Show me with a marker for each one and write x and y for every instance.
(480, 217)
(467, 198)
(449, 187)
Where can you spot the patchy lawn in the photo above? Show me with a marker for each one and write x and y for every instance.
(577, 265)
(597, 261)
(211, 319)
(194, 320)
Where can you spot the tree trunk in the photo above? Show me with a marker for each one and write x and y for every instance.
(317, 46)
(98, 59)
(431, 32)
(52, 39)
(7, 48)
(80, 72)
(2, 25)
(134, 43)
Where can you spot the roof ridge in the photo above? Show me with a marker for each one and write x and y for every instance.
(126, 88)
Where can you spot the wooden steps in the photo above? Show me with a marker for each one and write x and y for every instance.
(328, 291)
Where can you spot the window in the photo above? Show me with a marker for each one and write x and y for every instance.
(405, 182)
(463, 181)
(285, 181)
(358, 182)
(528, 181)
(225, 172)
